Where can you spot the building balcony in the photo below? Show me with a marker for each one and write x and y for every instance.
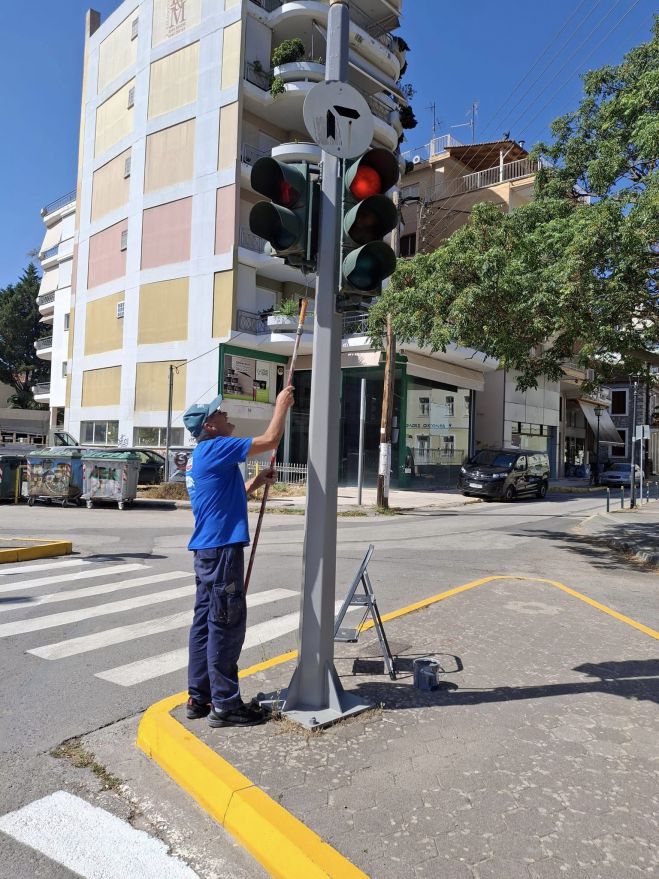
(505, 173)
(46, 303)
(59, 204)
(252, 252)
(41, 392)
(44, 347)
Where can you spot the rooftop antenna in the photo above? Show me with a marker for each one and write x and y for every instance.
(435, 121)
(472, 122)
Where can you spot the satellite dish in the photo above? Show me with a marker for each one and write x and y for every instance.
(416, 160)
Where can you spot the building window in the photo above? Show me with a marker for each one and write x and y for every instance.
(127, 166)
(67, 320)
(424, 403)
(450, 406)
(124, 239)
(121, 305)
(156, 437)
(131, 97)
(408, 245)
(618, 402)
(134, 27)
(99, 433)
(620, 451)
(64, 369)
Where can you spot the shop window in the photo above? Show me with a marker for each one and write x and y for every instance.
(620, 451)
(618, 402)
(156, 437)
(99, 433)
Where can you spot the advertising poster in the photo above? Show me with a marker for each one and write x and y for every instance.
(246, 379)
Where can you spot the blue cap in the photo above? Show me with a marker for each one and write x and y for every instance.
(196, 415)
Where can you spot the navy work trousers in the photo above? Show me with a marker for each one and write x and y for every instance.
(218, 627)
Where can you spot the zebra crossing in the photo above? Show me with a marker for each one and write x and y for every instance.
(30, 614)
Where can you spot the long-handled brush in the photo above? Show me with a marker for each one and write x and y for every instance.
(273, 459)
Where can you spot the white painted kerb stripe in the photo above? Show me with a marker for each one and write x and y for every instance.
(106, 571)
(48, 566)
(165, 663)
(85, 643)
(90, 591)
(19, 627)
(90, 841)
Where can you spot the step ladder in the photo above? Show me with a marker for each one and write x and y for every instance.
(365, 600)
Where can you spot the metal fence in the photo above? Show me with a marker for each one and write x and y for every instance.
(45, 299)
(290, 474)
(251, 322)
(58, 203)
(46, 342)
(251, 241)
(52, 251)
(355, 325)
(249, 154)
(256, 74)
(481, 179)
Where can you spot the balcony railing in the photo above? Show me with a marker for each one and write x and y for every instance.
(52, 251)
(480, 179)
(268, 5)
(250, 322)
(46, 342)
(249, 154)
(378, 107)
(355, 325)
(251, 241)
(436, 146)
(41, 389)
(45, 299)
(58, 203)
(364, 21)
(255, 74)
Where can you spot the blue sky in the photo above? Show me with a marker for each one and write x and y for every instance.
(461, 52)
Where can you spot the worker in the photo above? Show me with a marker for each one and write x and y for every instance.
(219, 505)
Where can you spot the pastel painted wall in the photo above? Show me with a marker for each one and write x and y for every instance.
(107, 260)
(166, 233)
(104, 331)
(231, 55)
(110, 186)
(173, 81)
(101, 387)
(223, 302)
(170, 156)
(163, 314)
(114, 119)
(225, 219)
(152, 386)
(117, 52)
(173, 18)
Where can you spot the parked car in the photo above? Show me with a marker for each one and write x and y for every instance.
(152, 466)
(620, 474)
(505, 474)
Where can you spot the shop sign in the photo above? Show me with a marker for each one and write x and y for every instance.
(246, 379)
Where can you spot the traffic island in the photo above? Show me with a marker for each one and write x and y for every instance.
(22, 549)
(532, 757)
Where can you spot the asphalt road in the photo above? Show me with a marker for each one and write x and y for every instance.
(101, 635)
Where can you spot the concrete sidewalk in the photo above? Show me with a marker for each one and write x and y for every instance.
(532, 760)
(635, 532)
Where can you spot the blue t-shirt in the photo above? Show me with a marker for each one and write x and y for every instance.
(217, 492)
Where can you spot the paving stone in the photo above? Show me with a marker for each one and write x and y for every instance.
(497, 868)
(437, 869)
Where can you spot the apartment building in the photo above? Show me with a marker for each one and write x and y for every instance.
(444, 180)
(178, 101)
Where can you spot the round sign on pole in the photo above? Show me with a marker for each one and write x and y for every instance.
(338, 119)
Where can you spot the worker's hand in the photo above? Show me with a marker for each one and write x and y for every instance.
(286, 398)
(267, 477)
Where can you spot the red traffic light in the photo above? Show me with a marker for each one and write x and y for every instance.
(366, 182)
(288, 195)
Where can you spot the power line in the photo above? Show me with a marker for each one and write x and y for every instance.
(540, 57)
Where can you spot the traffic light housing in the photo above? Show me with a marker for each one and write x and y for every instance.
(368, 215)
(288, 222)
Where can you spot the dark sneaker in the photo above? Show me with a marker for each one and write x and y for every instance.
(194, 710)
(241, 715)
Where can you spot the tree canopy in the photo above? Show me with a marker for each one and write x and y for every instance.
(20, 368)
(571, 275)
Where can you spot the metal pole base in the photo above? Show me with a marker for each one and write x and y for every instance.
(340, 704)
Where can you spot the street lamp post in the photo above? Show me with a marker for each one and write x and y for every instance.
(599, 411)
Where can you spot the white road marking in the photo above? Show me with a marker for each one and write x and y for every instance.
(165, 663)
(85, 643)
(27, 569)
(106, 571)
(88, 591)
(19, 627)
(90, 841)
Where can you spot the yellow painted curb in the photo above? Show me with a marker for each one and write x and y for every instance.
(282, 844)
(39, 550)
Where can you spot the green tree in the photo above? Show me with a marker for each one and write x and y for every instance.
(572, 274)
(20, 368)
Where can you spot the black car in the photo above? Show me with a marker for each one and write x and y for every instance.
(152, 466)
(505, 474)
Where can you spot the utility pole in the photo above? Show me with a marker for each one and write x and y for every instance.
(168, 433)
(633, 457)
(315, 696)
(384, 461)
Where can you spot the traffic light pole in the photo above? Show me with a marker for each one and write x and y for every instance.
(315, 696)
